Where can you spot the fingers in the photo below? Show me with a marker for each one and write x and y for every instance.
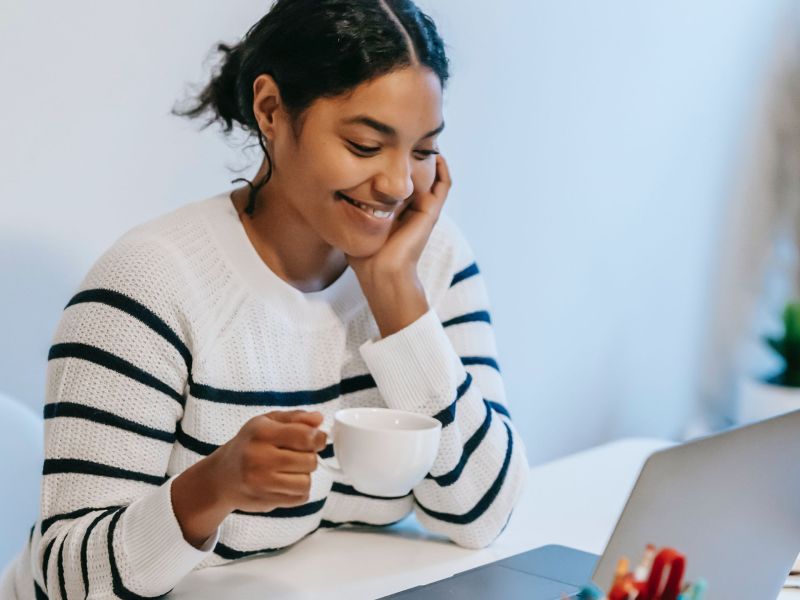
(441, 185)
(430, 202)
(442, 173)
(291, 484)
(313, 419)
(296, 436)
(286, 500)
(292, 461)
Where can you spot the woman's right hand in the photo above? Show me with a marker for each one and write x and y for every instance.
(266, 465)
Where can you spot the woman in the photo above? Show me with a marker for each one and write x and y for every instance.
(191, 372)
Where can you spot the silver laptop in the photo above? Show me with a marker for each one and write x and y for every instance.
(729, 502)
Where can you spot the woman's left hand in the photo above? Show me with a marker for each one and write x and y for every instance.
(389, 277)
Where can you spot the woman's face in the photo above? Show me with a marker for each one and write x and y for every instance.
(372, 145)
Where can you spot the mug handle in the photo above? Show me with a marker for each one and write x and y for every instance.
(324, 463)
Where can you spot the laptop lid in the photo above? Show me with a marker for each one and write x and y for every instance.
(729, 502)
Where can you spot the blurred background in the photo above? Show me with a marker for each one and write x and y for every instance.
(626, 172)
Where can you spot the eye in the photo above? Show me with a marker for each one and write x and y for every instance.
(427, 153)
(365, 149)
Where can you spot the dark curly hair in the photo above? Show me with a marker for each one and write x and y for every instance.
(314, 49)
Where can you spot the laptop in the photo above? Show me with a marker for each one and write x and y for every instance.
(730, 502)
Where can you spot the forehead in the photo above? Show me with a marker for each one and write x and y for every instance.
(409, 100)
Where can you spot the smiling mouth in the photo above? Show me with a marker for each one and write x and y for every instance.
(380, 214)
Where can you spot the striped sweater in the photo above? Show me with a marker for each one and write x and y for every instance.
(179, 334)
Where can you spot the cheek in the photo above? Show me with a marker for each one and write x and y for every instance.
(340, 171)
(424, 175)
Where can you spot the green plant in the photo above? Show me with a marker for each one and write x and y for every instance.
(788, 347)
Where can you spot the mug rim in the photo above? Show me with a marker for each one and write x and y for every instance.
(432, 423)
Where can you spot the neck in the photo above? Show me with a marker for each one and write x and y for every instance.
(285, 241)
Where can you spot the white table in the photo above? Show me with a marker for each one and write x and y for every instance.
(574, 501)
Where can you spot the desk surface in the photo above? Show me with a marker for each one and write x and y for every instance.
(359, 563)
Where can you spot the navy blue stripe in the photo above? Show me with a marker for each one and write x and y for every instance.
(487, 499)
(192, 443)
(341, 488)
(470, 446)
(466, 273)
(40, 595)
(46, 523)
(62, 586)
(113, 362)
(480, 360)
(138, 311)
(497, 407)
(96, 415)
(333, 524)
(473, 317)
(448, 415)
(233, 554)
(303, 510)
(119, 587)
(273, 398)
(205, 448)
(357, 383)
(229, 553)
(85, 548)
(264, 398)
(75, 465)
(46, 560)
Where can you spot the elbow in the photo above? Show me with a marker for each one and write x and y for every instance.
(476, 535)
(476, 540)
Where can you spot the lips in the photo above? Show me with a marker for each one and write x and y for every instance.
(383, 212)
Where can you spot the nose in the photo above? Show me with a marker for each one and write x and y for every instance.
(394, 181)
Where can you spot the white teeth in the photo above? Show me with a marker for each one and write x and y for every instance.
(381, 214)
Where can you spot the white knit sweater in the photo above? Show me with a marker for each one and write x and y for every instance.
(179, 334)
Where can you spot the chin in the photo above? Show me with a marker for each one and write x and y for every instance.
(361, 247)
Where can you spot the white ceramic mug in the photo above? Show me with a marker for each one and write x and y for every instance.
(382, 451)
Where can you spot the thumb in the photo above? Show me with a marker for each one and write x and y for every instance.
(312, 419)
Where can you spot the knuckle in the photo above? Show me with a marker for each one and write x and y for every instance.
(300, 435)
(296, 500)
(304, 494)
(280, 461)
(311, 437)
(257, 426)
(248, 428)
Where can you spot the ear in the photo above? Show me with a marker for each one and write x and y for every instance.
(266, 101)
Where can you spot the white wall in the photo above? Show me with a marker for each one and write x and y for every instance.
(593, 146)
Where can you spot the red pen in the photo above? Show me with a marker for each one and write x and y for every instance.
(670, 563)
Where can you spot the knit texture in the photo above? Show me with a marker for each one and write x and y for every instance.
(180, 333)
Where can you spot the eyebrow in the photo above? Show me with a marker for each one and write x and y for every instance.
(386, 129)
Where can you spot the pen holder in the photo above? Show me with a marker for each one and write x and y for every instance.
(659, 576)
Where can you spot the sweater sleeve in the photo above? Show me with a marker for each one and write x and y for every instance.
(445, 365)
(116, 377)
